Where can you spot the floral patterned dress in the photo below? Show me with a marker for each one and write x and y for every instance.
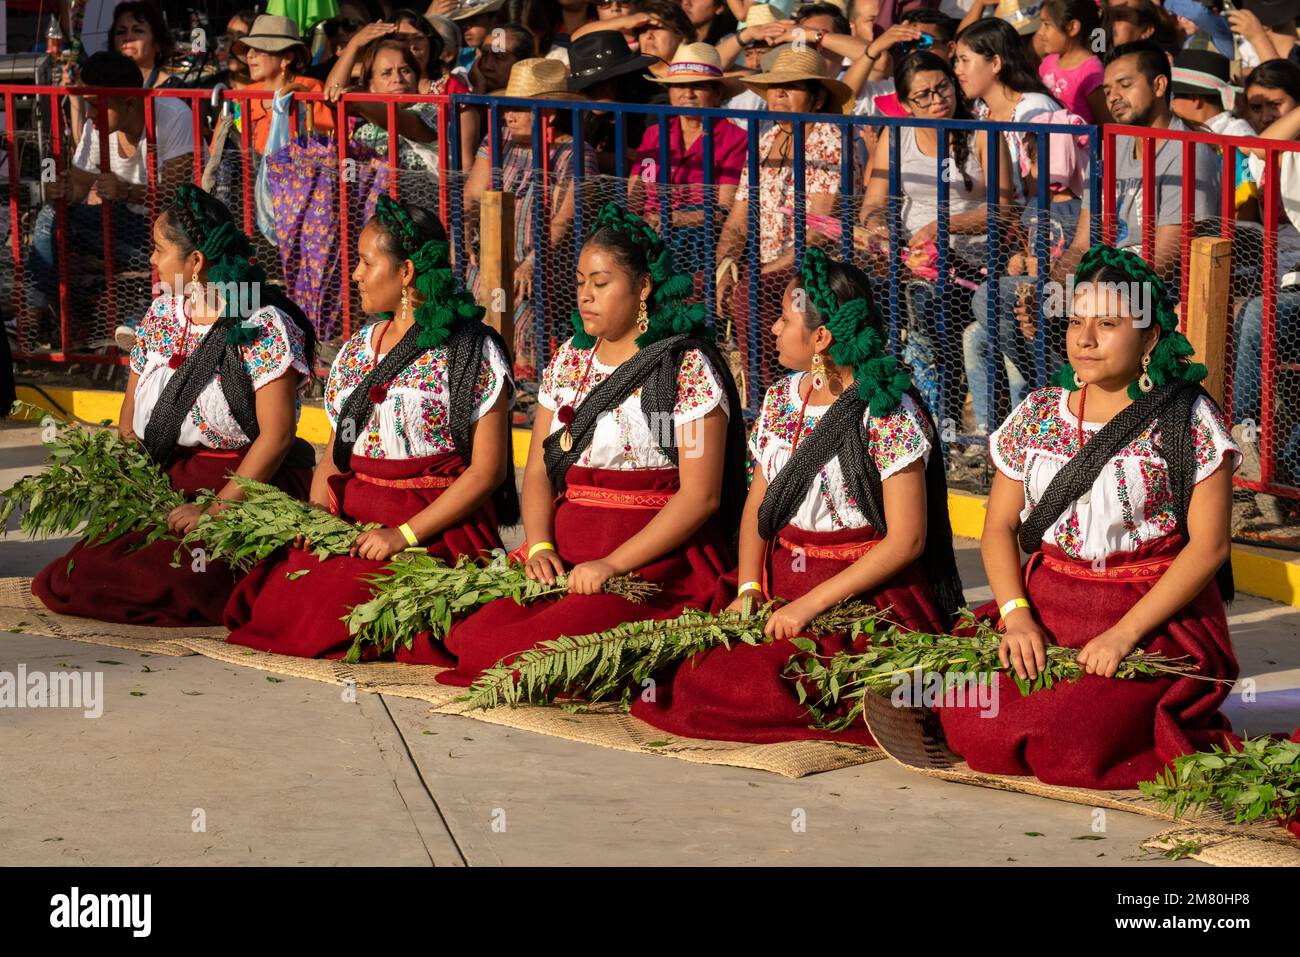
(623, 438)
(1131, 503)
(894, 442)
(165, 332)
(413, 421)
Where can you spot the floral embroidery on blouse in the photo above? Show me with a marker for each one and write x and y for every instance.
(894, 441)
(822, 146)
(1131, 502)
(413, 420)
(623, 439)
(278, 348)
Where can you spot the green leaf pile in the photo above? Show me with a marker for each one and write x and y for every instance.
(845, 678)
(95, 478)
(1261, 780)
(605, 663)
(417, 593)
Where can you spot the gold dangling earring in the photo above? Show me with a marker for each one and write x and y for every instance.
(1145, 383)
(818, 371)
(406, 300)
(643, 318)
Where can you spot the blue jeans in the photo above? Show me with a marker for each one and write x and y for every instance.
(86, 238)
(1019, 365)
(932, 356)
(1248, 367)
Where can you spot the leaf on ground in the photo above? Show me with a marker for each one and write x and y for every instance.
(106, 661)
(1033, 833)
(274, 680)
(137, 694)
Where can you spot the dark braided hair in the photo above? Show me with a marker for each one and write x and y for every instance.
(196, 220)
(1172, 353)
(838, 296)
(638, 249)
(959, 141)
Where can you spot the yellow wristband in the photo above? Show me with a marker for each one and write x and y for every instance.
(1012, 605)
(539, 547)
(749, 586)
(407, 534)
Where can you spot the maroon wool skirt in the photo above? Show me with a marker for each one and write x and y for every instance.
(741, 693)
(602, 509)
(1103, 732)
(113, 582)
(271, 610)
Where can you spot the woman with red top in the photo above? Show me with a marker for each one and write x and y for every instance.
(637, 459)
(848, 500)
(419, 408)
(694, 79)
(1117, 481)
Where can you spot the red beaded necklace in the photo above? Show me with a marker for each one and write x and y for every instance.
(566, 412)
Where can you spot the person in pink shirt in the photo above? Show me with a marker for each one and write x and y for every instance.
(694, 79)
(1070, 70)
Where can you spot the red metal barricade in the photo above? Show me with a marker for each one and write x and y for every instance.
(66, 348)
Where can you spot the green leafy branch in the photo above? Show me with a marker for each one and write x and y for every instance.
(244, 532)
(842, 681)
(95, 478)
(418, 593)
(599, 665)
(1261, 780)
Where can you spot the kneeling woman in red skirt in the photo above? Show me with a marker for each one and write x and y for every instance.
(216, 375)
(1118, 482)
(848, 500)
(637, 459)
(419, 404)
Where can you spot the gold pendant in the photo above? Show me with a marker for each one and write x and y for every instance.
(566, 441)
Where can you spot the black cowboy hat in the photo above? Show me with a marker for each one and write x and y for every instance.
(602, 55)
(1200, 73)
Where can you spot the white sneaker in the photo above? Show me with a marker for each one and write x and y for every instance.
(124, 336)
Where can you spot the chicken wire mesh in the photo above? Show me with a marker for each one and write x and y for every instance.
(971, 365)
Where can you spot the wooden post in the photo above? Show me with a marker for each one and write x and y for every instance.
(1209, 289)
(496, 263)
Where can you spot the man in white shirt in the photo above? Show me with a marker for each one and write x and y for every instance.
(124, 187)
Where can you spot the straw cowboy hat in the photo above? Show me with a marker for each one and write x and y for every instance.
(272, 35)
(1024, 15)
(539, 78)
(694, 63)
(793, 66)
(759, 15)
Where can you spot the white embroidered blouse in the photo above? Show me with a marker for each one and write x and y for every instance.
(894, 442)
(623, 439)
(414, 420)
(1131, 502)
(278, 348)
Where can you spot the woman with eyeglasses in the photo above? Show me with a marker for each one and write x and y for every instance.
(928, 90)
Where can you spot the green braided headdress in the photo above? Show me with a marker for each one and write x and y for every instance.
(229, 253)
(1171, 356)
(668, 311)
(857, 345)
(444, 304)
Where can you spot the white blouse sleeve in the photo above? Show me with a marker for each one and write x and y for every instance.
(897, 440)
(494, 375)
(280, 346)
(345, 373)
(1211, 440)
(699, 391)
(1009, 443)
(559, 373)
(154, 329)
